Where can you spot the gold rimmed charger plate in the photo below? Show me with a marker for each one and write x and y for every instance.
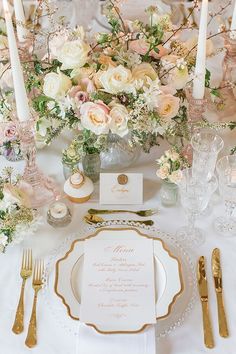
(168, 274)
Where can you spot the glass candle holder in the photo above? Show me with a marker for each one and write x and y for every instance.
(59, 214)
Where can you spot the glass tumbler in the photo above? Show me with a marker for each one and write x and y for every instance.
(195, 195)
(226, 169)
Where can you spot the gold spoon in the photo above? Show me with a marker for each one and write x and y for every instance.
(94, 219)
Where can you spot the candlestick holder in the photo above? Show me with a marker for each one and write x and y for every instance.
(226, 104)
(44, 190)
(196, 110)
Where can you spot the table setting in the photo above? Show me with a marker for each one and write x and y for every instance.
(117, 177)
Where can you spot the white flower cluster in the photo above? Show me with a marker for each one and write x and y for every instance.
(170, 166)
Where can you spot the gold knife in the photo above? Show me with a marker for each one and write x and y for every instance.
(203, 292)
(217, 275)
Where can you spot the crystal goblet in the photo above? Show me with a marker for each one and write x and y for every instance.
(226, 169)
(195, 195)
(206, 147)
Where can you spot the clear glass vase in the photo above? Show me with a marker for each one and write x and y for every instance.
(119, 154)
(169, 193)
(92, 166)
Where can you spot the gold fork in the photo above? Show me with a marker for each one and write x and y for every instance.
(31, 339)
(25, 273)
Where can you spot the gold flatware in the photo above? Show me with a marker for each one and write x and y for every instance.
(37, 284)
(94, 219)
(25, 273)
(217, 275)
(143, 213)
(203, 292)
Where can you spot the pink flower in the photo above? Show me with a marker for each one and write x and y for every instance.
(10, 132)
(79, 95)
(141, 47)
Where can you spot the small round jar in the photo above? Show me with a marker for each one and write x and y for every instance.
(78, 188)
(59, 214)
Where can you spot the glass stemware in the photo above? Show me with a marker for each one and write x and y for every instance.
(206, 147)
(226, 169)
(195, 195)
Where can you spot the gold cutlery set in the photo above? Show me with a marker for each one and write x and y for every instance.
(92, 217)
(27, 269)
(204, 297)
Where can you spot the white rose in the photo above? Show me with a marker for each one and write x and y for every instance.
(116, 80)
(56, 85)
(119, 120)
(95, 117)
(163, 172)
(175, 176)
(73, 54)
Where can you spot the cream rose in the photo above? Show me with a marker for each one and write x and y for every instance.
(95, 117)
(119, 120)
(116, 80)
(73, 54)
(168, 106)
(163, 172)
(144, 71)
(175, 176)
(56, 85)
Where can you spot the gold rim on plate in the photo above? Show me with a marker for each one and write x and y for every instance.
(118, 229)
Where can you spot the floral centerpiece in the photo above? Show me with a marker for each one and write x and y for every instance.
(129, 82)
(17, 219)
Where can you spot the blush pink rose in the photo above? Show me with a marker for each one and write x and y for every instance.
(78, 94)
(10, 132)
(95, 117)
(141, 47)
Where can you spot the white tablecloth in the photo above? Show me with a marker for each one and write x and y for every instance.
(53, 339)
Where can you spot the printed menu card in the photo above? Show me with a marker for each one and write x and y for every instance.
(118, 290)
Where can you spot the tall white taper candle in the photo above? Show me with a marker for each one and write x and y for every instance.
(200, 69)
(22, 103)
(20, 20)
(233, 23)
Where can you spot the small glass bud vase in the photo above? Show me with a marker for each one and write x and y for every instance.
(92, 166)
(68, 170)
(169, 193)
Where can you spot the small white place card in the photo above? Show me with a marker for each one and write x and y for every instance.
(116, 188)
(118, 290)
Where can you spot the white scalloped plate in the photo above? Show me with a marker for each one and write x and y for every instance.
(69, 270)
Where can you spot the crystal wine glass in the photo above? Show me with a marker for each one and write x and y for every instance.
(226, 169)
(206, 147)
(195, 195)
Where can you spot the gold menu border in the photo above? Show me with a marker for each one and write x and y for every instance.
(118, 229)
